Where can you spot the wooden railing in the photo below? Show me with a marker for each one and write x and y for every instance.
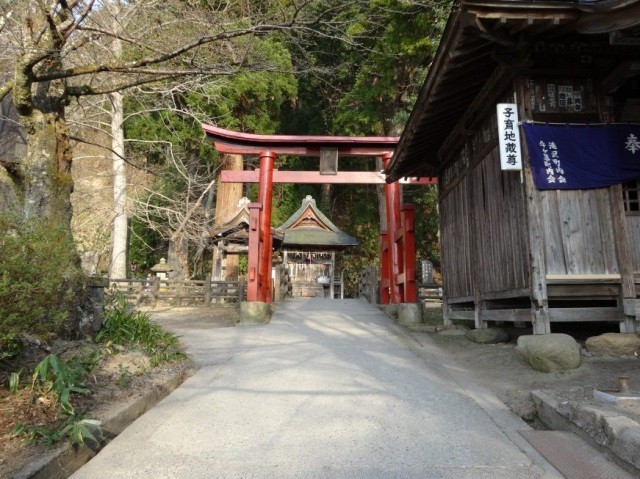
(180, 292)
(430, 292)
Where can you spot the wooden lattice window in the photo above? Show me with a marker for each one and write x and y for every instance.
(631, 196)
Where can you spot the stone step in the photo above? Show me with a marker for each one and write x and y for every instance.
(573, 457)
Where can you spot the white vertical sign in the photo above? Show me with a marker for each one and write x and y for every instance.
(509, 136)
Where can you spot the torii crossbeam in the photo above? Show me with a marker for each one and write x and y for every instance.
(397, 242)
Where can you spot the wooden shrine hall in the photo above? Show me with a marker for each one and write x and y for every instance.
(398, 283)
(309, 246)
(519, 243)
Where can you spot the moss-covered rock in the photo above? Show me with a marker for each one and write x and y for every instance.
(488, 335)
(549, 352)
(614, 344)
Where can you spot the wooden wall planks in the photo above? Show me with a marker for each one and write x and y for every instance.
(484, 233)
(633, 240)
(578, 236)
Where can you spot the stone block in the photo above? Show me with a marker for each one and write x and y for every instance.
(390, 310)
(254, 312)
(614, 344)
(624, 438)
(549, 352)
(409, 313)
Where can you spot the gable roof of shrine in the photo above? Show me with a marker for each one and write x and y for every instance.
(308, 226)
(477, 40)
(235, 228)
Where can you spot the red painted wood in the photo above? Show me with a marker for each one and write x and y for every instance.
(314, 177)
(371, 151)
(397, 244)
(392, 200)
(265, 194)
(227, 141)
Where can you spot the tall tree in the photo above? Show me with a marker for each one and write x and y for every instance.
(51, 58)
(369, 88)
(55, 52)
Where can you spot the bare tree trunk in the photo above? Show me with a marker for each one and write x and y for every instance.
(228, 196)
(45, 179)
(45, 171)
(118, 263)
(325, 200)
(382, 203)
(177, 258)
(203, 236)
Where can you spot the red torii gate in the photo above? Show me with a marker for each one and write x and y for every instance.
(398, 283)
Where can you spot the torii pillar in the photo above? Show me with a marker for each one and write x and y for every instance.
(397, 248)
(260, 241)
(263, 258)
(392, 200)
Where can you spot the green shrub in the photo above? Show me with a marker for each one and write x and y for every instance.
(127, 327)
(39, 276)
(62, 379)
(75, 427)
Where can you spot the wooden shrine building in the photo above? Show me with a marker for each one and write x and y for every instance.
(231, 237)
(309, 246)
(516, 247)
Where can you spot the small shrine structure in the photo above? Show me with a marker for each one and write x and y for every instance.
(309, 249)
(232, 238)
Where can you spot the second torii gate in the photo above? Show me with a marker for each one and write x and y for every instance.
(398, 283)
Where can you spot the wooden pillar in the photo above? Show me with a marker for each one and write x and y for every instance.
(254, 252)
(207, 290)
(538, 270)
(392, 200)
(385, 297)
(265, 193)
(332, 275)
(625, 265)
(410, 292)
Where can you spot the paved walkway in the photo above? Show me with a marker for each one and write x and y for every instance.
(329, 389)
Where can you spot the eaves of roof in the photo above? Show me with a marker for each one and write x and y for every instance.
(317, 237)
(465, 61)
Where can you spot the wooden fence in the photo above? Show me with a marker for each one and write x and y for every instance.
(180, 292)
(369, 288)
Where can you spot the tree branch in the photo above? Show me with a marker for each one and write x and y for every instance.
(126, 67)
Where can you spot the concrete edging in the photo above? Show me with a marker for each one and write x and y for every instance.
(63, 461)
(611, 433)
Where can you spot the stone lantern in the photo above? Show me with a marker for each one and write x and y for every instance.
(162, 269)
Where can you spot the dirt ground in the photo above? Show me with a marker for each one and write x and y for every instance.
(498, 367)
(121, 377)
